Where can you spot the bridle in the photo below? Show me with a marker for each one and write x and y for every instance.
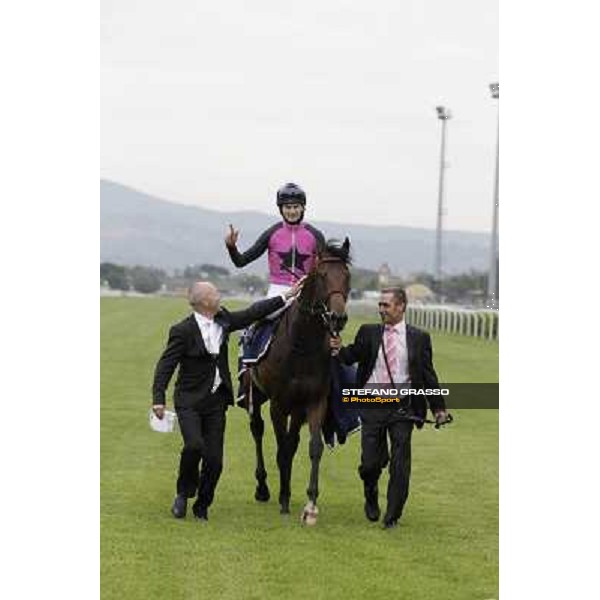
(332, 322)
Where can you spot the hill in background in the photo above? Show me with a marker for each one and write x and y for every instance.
(140, 229)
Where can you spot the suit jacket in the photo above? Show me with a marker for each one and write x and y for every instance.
(197, 367)
(364, 351)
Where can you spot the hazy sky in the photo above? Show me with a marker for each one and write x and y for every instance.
(218, 104)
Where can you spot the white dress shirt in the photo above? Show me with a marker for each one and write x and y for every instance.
(402, 375)
(212, 334)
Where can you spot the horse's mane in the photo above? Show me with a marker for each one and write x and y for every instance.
(336, 249)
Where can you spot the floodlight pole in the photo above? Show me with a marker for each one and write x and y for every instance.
(443, 114)
(492, 291)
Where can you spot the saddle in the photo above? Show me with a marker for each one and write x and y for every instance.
(254, 347)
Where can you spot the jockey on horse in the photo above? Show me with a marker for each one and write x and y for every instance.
(292, 247)
(292, 244)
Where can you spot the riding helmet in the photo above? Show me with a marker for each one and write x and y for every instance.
(290, 193)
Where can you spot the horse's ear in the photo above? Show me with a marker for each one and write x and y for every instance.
(346, 244)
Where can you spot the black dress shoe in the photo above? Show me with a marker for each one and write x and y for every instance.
(372, 511)
(390, 523)
(200, 512)
(179, 508)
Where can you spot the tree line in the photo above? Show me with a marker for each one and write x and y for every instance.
(464, 287)
(148, 280)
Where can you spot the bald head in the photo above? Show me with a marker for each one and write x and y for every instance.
(204, 298)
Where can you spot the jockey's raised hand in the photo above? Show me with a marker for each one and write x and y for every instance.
(232, 237)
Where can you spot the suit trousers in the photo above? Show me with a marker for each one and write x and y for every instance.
(203, 429)
(377, 425)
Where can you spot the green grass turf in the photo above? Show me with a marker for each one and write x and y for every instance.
(445, 548)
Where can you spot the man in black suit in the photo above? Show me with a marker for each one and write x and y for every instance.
(203, 390)
(398, 354)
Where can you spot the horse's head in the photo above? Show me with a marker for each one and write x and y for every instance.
(326, 289)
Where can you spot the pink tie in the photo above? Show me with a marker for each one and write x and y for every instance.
(390, 342)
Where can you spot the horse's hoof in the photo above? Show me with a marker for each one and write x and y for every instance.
(285, 509)
(309, 514)
(310, 520)
(262, 494)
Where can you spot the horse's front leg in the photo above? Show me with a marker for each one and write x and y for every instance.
(287, 444)
(315, 417)
(257, 426)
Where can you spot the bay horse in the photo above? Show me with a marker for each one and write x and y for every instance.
(295, 374)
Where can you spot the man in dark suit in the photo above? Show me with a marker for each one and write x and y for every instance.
(203, 390)
(398, 354)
